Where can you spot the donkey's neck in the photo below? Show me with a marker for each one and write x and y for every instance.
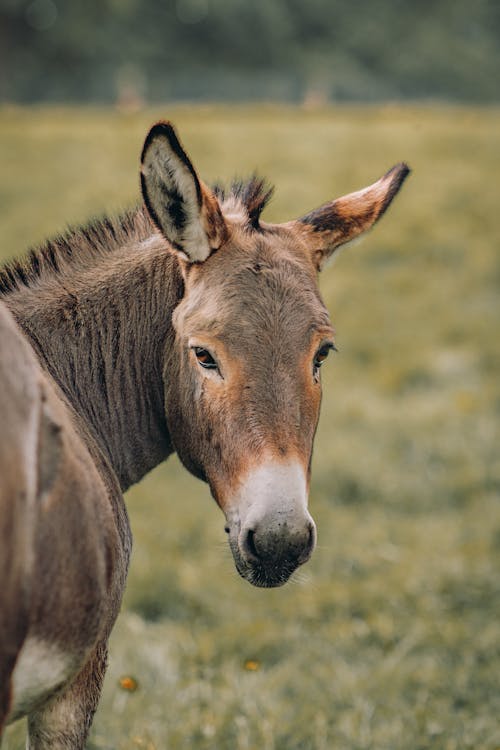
(103, 334)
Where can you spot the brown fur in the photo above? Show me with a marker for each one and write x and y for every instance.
(69, 597)
(17, 498)
(281, 297)
(100, 381)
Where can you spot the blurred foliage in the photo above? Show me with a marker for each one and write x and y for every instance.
(390, 636)
(158, 50)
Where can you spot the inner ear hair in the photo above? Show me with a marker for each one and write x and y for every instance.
(179, 204)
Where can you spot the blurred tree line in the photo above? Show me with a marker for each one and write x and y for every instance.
(314, 50)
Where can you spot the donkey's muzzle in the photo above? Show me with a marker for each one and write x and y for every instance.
(271, 550)
(271, 531)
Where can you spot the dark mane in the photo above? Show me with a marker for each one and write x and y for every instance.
(86, 243)
(254, 194)
(100, 236)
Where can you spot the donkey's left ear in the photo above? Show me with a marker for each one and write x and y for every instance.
(182, 207)
(343, 219)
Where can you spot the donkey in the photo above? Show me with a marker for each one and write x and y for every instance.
(188, 325)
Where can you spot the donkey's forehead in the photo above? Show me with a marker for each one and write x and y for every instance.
(273, 248)
(261, 281)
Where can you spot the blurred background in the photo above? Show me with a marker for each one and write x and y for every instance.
(234, 50)
(389, 638)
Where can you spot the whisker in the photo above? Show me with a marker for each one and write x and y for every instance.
(300, 579)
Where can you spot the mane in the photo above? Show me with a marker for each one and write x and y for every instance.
(83, 244)
(252, 194)
(88, 243)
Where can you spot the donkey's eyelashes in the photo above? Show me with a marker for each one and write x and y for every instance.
(205, 359)
(322, 354)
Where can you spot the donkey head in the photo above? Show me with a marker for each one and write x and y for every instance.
(243, 392)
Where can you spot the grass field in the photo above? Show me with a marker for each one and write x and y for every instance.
(390, 637)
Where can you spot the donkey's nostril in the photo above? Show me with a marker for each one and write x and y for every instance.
(312, 537)
(309, 544)
(248, 545)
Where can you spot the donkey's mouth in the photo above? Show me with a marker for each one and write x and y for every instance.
(266, 579)
(271, 575)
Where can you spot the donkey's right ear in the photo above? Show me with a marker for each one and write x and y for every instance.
(182, 207)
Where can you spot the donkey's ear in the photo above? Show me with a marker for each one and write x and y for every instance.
(181, 206)
(343, 219)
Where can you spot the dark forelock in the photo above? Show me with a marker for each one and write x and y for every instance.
(254, 194)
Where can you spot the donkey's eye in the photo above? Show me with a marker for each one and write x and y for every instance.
(204, 358)
(322, 354)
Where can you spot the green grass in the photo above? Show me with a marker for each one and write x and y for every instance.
(390, 637)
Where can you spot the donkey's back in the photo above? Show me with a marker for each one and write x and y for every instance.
(62, 562)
